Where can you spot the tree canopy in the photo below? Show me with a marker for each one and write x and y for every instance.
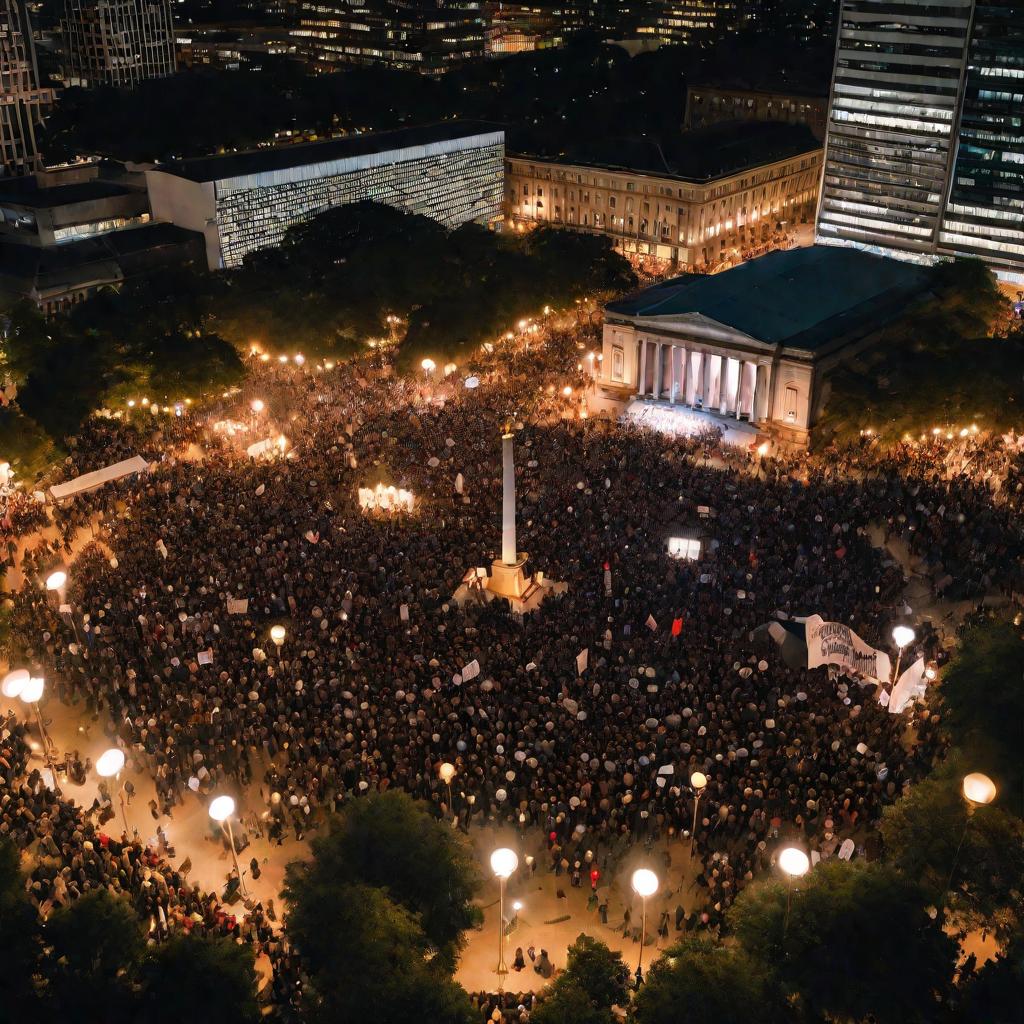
(20, 942)
(981, 699)
(859, 941)
(913, 379)
(714, 982)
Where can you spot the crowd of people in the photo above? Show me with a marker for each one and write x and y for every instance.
(168, 636)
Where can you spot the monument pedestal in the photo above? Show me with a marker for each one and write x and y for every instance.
(509, 580)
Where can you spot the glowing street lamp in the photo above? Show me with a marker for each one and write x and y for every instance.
(795, 864)
(645, 883)
(31, 693)
(277, 634)
(14, 682)
(503, 862)
(220, 810)
(257, 406)
(109, 765)
(56, 581)
(699, 782)
(902, 636)
(979, 791)
(447, 773)
(428, 366)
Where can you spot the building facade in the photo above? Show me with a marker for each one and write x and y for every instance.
(984, 215)
(683, 21)
(709, 104)
(925, 136)
(519, 28)
(755, 343)
(23, 103)
(429, 36)
(451, 172)
(687, 223)
(117, 42)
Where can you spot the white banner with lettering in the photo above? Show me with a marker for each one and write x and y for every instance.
(910, 686)
(834, 643)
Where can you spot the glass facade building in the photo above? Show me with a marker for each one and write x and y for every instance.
(925, 147)
(23, 103)
(985, 213)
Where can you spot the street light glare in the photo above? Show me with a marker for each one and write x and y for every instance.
(504, 861)
(257, 405)
(794, 862)
(698, 780)
(14, 682)
(32, 690)
(903, 635)
(221, 808)
(447, 772)
(110, 762)
(645, 882)
(979, 788)
(277, 634)
(56, 580)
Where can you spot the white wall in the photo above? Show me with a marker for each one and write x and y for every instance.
(188, 204)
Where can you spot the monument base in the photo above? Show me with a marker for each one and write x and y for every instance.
(509, 581)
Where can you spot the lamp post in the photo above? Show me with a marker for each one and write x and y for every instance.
(109, 764)
(979, 791)
(901, 636)
(32, 693)
(699, 781)
(14, 682)
(795, 863)
(221, 808)
(645, 883)
(277, 634)
(428, 366)
(56, 583)
(447, 773)
(503, 862)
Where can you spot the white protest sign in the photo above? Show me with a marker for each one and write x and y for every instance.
(238, 605)
(471, 671)
(582, 660)
(910, 685)
(403, 612)
(205, 657)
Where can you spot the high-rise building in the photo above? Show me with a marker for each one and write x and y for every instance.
(683, 21)
(984, 216)
(23, 103)
(925, 148)
(117, 42)
(429, 36)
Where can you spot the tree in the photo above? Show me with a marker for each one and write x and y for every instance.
(982, 703)
(715, 983)
(97, 944)
(568, 1003)
(367, 955)
(992, 995)
(24, 444)
(216, 975)
(859, 941)
(392, 843)
(594, 980)
(19, 941)
(931, 829)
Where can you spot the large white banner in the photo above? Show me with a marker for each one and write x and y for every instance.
(910, 685)
(834, 643)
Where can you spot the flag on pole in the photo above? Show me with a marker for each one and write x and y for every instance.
(677, 627)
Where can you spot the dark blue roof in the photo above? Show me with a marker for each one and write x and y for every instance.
(802, 298)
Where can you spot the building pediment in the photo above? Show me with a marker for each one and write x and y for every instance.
(697, 327)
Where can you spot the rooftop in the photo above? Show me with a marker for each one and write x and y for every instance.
(278, 158)
(699, 156)
(24, 192)
(802, 298)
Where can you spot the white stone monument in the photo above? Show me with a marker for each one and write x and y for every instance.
(508, 578)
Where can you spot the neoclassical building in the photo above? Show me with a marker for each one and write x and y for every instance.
(756, 342)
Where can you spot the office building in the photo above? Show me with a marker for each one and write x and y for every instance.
(519, 28)
(117, 42)
(429, 36)
(23, 103)
(452, 172)
(684, 21)
(753, 344)
(712, 104)
(924, 147)
(984, 215)
(722, 193)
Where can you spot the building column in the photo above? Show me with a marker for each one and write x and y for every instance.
(723, 386)
(659, 369)
(674, 385)
(641, 375)
(740, 377)
(706, 394)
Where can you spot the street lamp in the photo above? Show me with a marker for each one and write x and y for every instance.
(979, 791)
(902, 636)
(14, 682)
(503, 862)
(56, 581)
(108, 765)
(447, 773)
(221, 808)
(277, 634)
(795, 863)
(428, 366)
(645, 883)
(32, 693)
(699, 781)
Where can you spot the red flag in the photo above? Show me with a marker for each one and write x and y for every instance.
(677, 627)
